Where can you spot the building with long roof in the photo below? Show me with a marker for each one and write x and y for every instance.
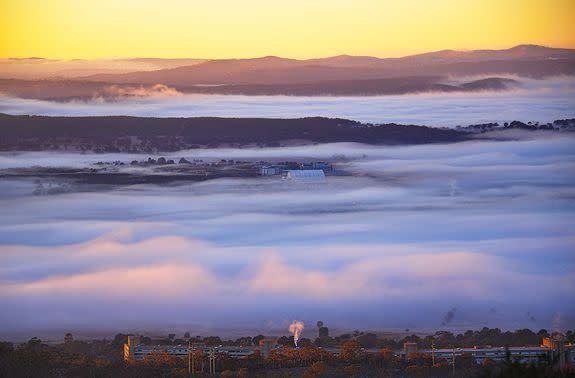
(305, 175)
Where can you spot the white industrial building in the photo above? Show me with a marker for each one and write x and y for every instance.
(305, 175)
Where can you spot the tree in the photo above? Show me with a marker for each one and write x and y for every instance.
(350, 350)
(256, 339)
(350, 370)
(161, 360)
(286, 341)
(212, 340)
(6, 348)
(368, 340)
(68, 338)
(119, 340)
(146, 340)
(420, 359)
(34, 341)
(386, 353)
(317, 369)
(244, 341)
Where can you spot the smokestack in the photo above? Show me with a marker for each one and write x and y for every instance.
(296, 327)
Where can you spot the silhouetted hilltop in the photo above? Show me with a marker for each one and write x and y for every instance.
(143, 134)
(135, 134)
(341, 75)
(523, 60)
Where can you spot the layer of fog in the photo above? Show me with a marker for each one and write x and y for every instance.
(521, 143)
(415, 232)
(536, 100)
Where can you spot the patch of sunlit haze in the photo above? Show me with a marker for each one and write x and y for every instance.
(69, 29)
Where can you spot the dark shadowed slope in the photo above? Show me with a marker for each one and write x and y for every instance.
(373, 87)
(145, 134)
(62, 90)
(137, 134)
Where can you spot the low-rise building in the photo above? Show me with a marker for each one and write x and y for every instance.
(324, 166)
(134, 351)
(305, 175)
(269, 170)
(517, 354)
(562, 354)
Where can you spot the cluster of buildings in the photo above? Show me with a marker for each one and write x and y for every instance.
(164, 161)
(552, 349)
(297, 171)
(134, 350)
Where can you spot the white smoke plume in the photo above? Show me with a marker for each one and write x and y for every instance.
(296, 327)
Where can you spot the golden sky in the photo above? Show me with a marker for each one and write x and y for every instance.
(289, 28)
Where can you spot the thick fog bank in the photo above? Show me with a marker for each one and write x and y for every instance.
(485, 227)
(536, 100)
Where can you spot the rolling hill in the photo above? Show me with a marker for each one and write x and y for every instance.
(524, 60)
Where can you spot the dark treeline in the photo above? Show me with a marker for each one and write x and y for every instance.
(441, 339)
(103, 358)
(557, 125)
(151, 135)
(140, 134)
(444, 339)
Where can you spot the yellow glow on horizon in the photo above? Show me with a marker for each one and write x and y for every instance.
(70, 29)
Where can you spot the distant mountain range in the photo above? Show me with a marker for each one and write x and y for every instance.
(524, 60)
(339, 75)
(52, 69)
